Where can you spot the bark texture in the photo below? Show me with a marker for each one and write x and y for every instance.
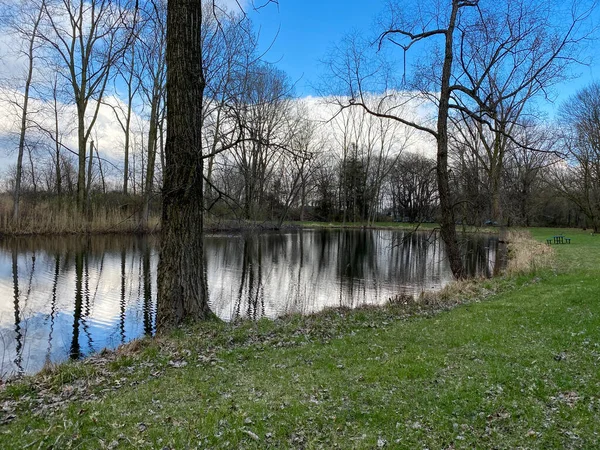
(182, 289)
(447, 225)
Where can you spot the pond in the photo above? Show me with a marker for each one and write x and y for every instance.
(67, 297)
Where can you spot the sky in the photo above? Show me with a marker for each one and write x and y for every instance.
(297, 35)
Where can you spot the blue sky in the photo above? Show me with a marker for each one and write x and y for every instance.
(307, 31)
(302, 33)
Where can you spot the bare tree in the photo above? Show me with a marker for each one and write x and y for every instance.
(526, 171)
(507, 57)
(386, 142)
(229, 55)
(56, 135)
(262, 112)
(347, 128)
(579, 179)
(87, 39)
(484, 48)
(299, 161)
(308, 151)
(412, 30)
(152, 82)
(127, 74)
(412, 187)
(470, 180)
(25, 23)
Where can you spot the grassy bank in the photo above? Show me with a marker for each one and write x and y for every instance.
(401, 225)
(519, 369)
(392, 226)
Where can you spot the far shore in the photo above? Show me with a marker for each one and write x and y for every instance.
(232, 226)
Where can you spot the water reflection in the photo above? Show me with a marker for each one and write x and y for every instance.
(18, 335)
(275, 274)
(47, 359)
(68, 297)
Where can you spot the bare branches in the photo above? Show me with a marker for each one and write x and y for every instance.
(580, 179)
(412, 38)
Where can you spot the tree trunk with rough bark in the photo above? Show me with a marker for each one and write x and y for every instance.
(182, 289)
(447, 226)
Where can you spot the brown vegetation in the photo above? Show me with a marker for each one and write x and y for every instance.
(51, 216)
(526, 255)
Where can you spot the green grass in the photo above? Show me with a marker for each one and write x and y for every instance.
(391, 225)
(518, 370)
(404, 225)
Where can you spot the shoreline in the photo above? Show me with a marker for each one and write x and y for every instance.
(457, 292)
(271, 376)
(242, 227)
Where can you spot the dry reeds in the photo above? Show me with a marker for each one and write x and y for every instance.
(526, 255)
(61, 216)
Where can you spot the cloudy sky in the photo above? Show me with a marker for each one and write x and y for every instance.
(295, 35)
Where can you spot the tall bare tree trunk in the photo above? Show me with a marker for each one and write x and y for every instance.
(24, 112)
(57, 142)
(152, 144)
(126, 148)
(82, 141)
(128, 121)
(19, 174)
(182, 290)
(496, 169)
(447, 226)
(161, 139)
(88, 189)
(496, 207)
(33, 177)
(100, 170)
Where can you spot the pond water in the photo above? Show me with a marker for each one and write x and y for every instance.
(66, 297)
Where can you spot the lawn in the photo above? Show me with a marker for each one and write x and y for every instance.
(518, 369)
(425, 226)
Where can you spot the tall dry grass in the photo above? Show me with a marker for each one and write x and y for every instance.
(525, 254)
(61, 216)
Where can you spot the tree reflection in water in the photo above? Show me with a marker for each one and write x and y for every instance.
(18, 335)
(47, 359)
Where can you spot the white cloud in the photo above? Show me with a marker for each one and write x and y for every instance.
(107, 133)
(109, 137)
(407, 105)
